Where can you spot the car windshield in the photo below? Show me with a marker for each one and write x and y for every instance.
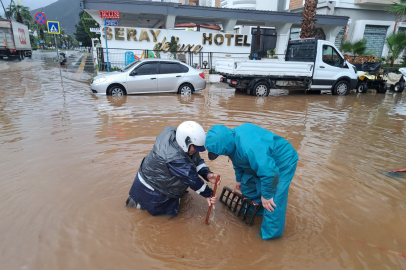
(129, 66)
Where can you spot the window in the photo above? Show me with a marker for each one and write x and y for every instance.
(184, 68)
(331, 56)
(147, 69)
(169, 68)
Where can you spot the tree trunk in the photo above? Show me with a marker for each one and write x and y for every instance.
(392, 62)
(309, 19)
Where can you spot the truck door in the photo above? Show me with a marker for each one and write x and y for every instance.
(328, 69)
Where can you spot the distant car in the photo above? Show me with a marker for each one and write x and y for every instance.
(150, 76)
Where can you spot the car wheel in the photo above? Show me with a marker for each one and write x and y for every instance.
(116, 90)
(382, 88)
(186, 89)
(399, 87)
(341, 88)
(261, 89)
(362, 87)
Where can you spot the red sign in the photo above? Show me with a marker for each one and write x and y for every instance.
(108, 14)
(40, 18)
(21, 34)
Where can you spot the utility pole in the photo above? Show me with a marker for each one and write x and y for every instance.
(3, 7)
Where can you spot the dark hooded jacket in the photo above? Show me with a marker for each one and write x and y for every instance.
(163, 167)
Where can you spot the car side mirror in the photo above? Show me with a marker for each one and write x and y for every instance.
(133, 73)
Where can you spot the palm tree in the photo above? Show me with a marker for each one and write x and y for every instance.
(396, 44)
(309, 19)
(357, 48)
(20, 13)
(399, 9)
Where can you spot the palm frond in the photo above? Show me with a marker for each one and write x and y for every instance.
(346, 47)
(398, 8)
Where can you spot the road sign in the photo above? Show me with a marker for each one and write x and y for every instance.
(95, 30)
(53, 28)
(111, 22)
(80, 43)
(40, 18)
(41, 41)
(37, 46)
(37, 43)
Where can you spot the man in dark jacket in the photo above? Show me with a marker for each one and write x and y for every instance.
(167, 172)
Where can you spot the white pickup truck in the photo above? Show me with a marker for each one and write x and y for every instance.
(14, 40)
(309, 64)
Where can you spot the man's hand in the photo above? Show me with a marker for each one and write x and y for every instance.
(212, 201)
(268, 204)
(212, 178)
(237, 186)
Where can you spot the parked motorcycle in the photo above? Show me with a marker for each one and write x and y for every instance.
(374, 77)
(399, 86)
(62, 58)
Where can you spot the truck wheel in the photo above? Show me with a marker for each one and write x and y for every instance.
(382, 88)
(399, 87)
(362, 87)
(261, 89)
(341, 88)
(1, 57)
(20, 57)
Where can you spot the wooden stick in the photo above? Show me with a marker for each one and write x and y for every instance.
(214, 194)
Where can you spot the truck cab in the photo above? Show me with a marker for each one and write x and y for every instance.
(330, 66)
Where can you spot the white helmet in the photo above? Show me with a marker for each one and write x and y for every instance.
(189, 133)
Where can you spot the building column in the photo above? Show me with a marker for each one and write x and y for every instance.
(331, 32)
(282, 33)
(228, 25)
(170, 22)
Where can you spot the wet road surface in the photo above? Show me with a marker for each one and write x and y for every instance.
(68, 159)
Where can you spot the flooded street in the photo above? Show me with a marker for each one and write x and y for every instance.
(68, 159)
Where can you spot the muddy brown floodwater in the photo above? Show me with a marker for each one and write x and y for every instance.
(68, 159)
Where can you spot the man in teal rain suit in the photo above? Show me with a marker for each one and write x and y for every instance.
(264, 165)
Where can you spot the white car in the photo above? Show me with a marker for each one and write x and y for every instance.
(150, 76)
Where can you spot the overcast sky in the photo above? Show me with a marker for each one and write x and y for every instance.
(32, 4)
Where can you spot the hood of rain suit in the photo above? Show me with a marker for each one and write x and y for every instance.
(220, 140)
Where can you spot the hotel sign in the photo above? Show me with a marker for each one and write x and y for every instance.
(188, 41)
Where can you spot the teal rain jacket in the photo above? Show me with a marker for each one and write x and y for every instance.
(264, 163)
(255, 152)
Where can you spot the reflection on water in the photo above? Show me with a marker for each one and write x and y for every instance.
(69, 158)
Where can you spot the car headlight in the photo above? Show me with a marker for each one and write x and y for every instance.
(100, 80)
(355, 69)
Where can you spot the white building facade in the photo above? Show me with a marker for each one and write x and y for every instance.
(369, 19)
